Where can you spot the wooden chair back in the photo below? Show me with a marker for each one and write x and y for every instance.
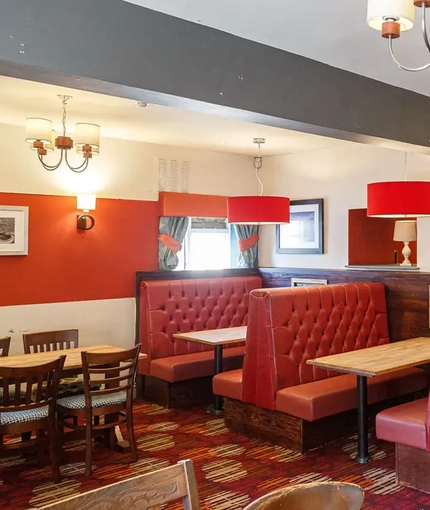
(46, 341)
(143, 492)
(106, 373)
(312, 496)
(4, 346)
(25, 388)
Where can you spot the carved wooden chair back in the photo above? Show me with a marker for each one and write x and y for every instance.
(312, 496)
(46, 341)
(4, 346)
(144, 492)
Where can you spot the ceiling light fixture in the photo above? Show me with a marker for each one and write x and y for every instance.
(395, 16)
(398, 199)
(41, 136)
(258, 210)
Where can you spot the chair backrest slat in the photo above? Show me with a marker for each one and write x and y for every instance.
(4, 346)
(148, 491)
(46, 341)
(30, 387)
(106, 373)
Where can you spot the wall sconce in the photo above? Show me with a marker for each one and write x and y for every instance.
(87, 203)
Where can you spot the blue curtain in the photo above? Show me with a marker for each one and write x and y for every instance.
(247, 257)
(172, 232)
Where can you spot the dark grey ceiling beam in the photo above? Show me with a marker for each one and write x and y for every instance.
(113, 47)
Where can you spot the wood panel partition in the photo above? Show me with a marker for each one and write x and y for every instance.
(407, 293)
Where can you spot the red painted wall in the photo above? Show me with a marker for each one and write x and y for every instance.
(65, 264)
(370, 240)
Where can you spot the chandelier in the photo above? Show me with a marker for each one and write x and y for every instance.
(42, 137)
(395, 16)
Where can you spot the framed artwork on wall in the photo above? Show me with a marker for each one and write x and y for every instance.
(13, 230)
(305, 232)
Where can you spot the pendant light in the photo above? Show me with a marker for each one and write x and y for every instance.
(398, 199)
(258, 210)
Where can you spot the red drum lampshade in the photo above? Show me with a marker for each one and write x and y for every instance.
(398, 199)
(258, 210)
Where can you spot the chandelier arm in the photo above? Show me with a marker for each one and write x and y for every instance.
(77, 169)
(51, 168)
(424, 26)
(411, 69)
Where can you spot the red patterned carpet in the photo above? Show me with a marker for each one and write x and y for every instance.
(231, 469)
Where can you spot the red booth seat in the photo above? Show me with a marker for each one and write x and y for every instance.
(408, 426)
(316, 400)
(405, 424)
(179, 306)
(287, 327)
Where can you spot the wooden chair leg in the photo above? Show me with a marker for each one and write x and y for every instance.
(88, 446)
(40, 452)
(131, 438)
(112, 438)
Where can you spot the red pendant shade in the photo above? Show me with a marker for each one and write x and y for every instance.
(398, 199)
(258, 210)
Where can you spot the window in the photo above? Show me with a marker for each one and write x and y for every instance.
(210, 243)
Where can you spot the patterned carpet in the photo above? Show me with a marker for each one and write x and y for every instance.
(231, 469)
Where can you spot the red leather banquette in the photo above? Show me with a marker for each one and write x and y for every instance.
(287, 327)
(172, 306)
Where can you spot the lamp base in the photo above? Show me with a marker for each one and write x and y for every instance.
(406, 252)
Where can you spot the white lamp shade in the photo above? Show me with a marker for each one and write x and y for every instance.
(379, 11)
(86, 202)
(38, 130)
(405, 231)
(48, 146)
(87, 134)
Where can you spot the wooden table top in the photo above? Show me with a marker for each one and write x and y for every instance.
(73, 357)
(378, 360)
(219, 336)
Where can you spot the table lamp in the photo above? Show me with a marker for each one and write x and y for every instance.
(405, 231)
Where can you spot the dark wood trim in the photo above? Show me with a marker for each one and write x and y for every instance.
(177, 394)
(292, 432)
(413, 467)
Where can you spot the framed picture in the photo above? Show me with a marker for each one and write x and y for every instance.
(13, 230)
(305, 232)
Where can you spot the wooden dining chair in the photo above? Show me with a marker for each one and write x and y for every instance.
(45, 341)
(108, 385)
(312, 496)
(4, 346)
(148, 491)
(28, 404)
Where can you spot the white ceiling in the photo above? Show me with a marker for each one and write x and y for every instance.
(330, 31)
(123, 118)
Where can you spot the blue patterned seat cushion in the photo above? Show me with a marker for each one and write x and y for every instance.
(12, 393)
(14, 417)
(78, 401)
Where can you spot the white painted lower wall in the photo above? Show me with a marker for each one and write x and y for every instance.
(108, 321)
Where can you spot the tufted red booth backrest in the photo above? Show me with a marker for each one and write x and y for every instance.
(288, 326)
(173, 306)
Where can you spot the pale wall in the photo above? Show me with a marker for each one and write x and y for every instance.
(340, 175)
(124, 170)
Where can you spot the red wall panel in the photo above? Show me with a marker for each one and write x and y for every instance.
(66, 264)
(370, 240)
